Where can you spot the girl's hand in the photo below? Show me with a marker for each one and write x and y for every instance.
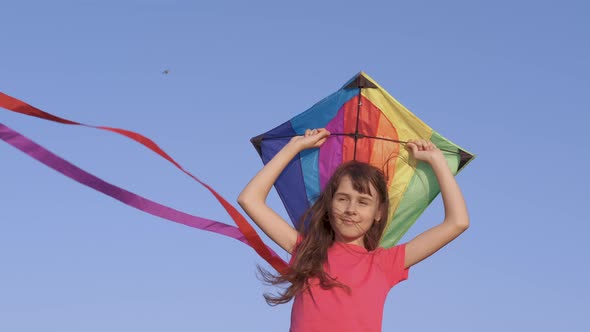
(313, 138)
(424, 150)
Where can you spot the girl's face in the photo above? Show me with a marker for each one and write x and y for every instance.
(353, 213)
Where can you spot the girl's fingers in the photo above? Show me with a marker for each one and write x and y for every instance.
(309, 132)
(316, 137)
(415, 145)
(421, 144)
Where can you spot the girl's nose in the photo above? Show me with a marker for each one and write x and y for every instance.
(350, 208)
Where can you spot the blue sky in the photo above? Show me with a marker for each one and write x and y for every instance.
(507, 80)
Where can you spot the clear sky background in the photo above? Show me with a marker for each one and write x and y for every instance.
(507, 80)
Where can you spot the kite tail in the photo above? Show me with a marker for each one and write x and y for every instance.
(244, 233)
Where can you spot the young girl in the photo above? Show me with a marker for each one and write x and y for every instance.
(338, 274)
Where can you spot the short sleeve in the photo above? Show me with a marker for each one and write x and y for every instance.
(393, 262)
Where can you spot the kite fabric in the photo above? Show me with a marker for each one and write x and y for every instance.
(244, 233)
(366, 124)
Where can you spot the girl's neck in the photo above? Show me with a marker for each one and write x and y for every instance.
(360, 242)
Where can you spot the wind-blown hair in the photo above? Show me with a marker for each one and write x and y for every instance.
(317, 235)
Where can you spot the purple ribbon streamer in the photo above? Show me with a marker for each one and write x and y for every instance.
(72, 171)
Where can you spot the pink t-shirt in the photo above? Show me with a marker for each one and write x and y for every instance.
(369, 274)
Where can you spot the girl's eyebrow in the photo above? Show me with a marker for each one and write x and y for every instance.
(363, 196)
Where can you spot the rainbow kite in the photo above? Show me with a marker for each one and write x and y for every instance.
(366, 123)
(369, 125)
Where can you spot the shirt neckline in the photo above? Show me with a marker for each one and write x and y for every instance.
(351, 246)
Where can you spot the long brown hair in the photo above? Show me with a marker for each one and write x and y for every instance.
(317, 233)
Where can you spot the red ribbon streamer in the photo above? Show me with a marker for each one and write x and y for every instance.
(245, 228)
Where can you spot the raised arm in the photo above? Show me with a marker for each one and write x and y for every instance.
(253, 198)
(456, 219)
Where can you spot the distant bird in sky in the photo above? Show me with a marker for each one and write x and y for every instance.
(166, 72)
